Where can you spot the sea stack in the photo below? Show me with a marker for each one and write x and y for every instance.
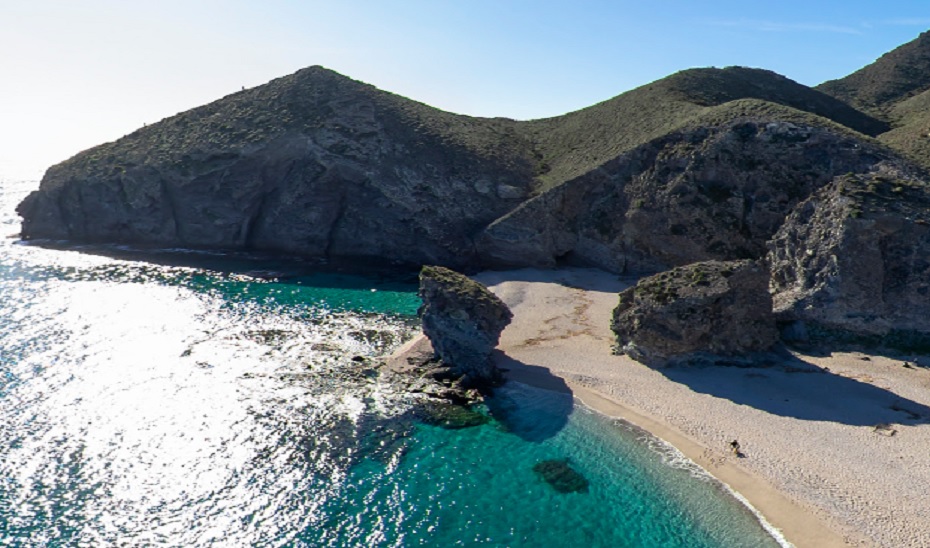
(463, 321)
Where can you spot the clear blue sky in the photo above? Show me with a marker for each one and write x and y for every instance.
(80, 72)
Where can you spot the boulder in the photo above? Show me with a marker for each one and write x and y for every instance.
(463, 321)
(707, 310)
(853, 262)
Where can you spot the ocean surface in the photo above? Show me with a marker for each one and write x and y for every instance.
(144, 403)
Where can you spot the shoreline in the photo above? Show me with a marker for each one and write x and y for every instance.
(834, 443)
(785, 520)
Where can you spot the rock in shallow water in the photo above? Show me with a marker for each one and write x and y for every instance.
(709, 310)
(451, 416)
(561, 476)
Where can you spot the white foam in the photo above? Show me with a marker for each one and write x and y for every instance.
(674, 458)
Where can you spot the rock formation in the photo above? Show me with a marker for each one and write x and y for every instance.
(707, 310)
(463, 321)
(561, 476)
(712, 193)
(313, 164)
(317, 164)
(703, 165)
(853, 261)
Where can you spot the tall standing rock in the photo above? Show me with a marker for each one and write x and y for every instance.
(707, 309)
(463, 321)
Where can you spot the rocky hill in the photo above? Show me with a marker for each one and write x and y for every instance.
(704, 165)
(896, 76)
(313, 163)
(318, 164)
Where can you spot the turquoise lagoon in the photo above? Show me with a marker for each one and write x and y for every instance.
(193, 399)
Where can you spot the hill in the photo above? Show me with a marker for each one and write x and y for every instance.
(578, 142)
(318, 164)
(894, 77)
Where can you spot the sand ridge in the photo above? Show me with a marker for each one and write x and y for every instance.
(835, 444)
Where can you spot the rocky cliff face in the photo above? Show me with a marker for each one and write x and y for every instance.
(709, 310)
(712, 193)
(853, 261)
(463, 321)
(313, 164)
(317, 164)
(703, 165)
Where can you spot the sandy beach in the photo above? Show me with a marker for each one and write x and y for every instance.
(834, 445)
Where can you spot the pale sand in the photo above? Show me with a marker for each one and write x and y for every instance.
(814, 464)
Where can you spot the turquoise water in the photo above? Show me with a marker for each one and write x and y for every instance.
(144, 403)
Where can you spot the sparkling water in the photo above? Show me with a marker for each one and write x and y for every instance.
(194, 399)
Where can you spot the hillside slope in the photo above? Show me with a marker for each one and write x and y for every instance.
(894, 77)
(578, 142)
(318, 164)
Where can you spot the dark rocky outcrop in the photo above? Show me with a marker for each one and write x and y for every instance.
(712, 193)
(715, 310)
(853, 262)
(313, 164)
(463, 321)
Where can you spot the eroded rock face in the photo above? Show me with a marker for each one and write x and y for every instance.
(463, 321)
(313, 164)
(712, 309)
(712, 193)
(853, 262)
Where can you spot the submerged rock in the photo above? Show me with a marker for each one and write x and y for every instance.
(463, 321)
(451, 416)
(853, 262)
(561, 476)
(713, 309)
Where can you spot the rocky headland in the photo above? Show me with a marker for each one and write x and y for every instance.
(826, 184)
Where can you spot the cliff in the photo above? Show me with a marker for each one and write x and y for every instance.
(314, 164)
(852, 262)
(716, 191)
(317, 164)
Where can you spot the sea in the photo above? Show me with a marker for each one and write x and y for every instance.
(194, 399)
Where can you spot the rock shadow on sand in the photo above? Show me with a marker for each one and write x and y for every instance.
(791, 387)
(533, 403)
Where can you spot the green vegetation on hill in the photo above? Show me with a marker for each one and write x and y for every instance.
(577, 142)
(320, 102)
(314, 101)
(894, 77)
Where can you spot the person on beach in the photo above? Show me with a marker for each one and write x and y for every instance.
(734, 446)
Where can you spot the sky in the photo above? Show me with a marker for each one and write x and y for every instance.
(74, 74)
